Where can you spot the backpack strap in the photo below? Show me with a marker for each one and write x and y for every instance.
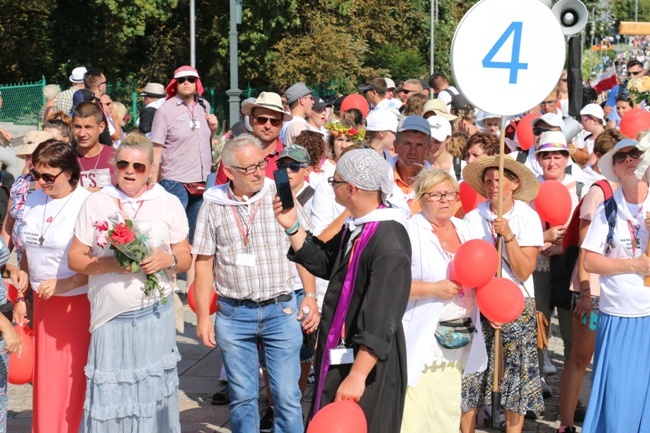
(605, 186)
(579, 187)
(457, 170)
(522, 156)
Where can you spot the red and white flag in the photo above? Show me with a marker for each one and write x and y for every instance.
(605, 80)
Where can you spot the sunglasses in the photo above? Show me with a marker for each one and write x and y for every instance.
(406, 91)
(137, 166)
(333, 182)
(261, 120)
(47, 177)
(190, 80)
(622, 156)
(539, 131)
(294, 167)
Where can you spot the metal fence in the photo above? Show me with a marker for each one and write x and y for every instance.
(21, 102)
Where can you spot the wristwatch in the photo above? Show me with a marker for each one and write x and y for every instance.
(173, 266)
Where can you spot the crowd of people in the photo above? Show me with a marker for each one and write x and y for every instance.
(352, 283)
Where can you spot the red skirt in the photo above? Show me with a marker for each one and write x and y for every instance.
(61, 340)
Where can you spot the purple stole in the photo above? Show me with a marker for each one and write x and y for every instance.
(338, 320)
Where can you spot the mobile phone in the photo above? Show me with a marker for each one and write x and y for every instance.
(593, 320)
(284, 188)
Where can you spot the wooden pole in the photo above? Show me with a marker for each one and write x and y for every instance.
(496, 380)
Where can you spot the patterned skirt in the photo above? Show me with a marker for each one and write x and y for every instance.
(521, 389)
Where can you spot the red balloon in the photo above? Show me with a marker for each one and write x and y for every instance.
(356, 101)
(191, 300)
(12, 292)
(500, 300)
(21, 369)
(475, 263)
(469, 198)
(525, 135)
(553, 203)
(343, 416)
(634, 121)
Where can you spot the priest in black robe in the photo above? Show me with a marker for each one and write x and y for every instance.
(368, 265)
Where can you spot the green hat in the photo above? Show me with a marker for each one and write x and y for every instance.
(295, 152)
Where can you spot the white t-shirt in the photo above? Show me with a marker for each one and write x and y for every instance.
(52, 221)
(624, 294)
(161, 219)
(324, 208)
(524, 223)
(291, 129)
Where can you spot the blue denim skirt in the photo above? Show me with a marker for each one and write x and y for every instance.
(131, 376)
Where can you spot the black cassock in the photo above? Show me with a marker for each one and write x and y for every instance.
(373, 320)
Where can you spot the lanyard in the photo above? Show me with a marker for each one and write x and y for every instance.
(119, 203)
(245, 231)
(633, 237)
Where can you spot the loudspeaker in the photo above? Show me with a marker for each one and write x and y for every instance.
(572, 15)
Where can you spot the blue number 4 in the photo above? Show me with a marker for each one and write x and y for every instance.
(514, 65)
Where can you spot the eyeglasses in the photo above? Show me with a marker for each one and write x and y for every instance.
(635, 73)
(333, 182)
(252, 168)
(549, 102)
(47, 177)
(293, 166)
(539, 131)
(137, 166)
(622, 156)
(190, 80)
(438, 196)
(261, 120)
(308, 97)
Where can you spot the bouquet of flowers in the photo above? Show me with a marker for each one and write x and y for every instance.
(639, 89)
(130, 249)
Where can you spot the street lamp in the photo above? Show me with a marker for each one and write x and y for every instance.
(234, 92)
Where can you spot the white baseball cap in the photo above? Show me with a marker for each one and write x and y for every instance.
(390, 84)
(594, 110)
(381, 120)
(440, 127)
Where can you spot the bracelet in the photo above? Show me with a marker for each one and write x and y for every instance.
(293, 229)
(19, 299)
(310, 295)
(512, 238)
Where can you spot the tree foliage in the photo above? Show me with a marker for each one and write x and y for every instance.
(335, 44)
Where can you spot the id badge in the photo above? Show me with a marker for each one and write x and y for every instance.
(341, 356)
(245, 259)
(195, 124)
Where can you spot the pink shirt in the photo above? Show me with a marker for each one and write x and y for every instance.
(184, 134)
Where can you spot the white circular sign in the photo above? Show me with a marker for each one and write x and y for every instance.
(507, 56)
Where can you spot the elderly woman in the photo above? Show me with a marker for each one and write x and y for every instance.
(61, 309)
(133, 386)
(521, 232)
(438, 310)
(615, 248)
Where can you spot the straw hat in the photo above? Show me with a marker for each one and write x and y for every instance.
(28, 143)
(270, 101)
(528, 184)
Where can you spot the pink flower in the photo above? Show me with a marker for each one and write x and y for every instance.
(101, 226)
(101, 240)
(122, 234)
